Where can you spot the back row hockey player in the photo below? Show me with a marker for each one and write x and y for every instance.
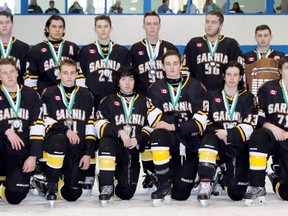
(204, 57)
(121, 120)
(174, 113)
(70, 139)
(21, 133)
(44, 58)
(101, 59)
(146, 55)
(263, 37)
(232, 116)
(11, 46)
(271, 139)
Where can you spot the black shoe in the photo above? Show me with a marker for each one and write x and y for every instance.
(51, 191)
(40, 185)
(164, 189)
(107, 193)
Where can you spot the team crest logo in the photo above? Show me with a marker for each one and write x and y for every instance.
(217, 100)
(116, 103)
(251, 59)
(199, 44)
(43, 50)
(141, 53)
(57, 98)
(164, 91)
(273, 92)
(92, 51)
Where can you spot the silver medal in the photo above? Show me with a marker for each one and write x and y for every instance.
(17, 123)
(127, 128)
(152, 72)
(212, 64)
(69, 122)
(230, 126)
(107, 72)
(57, 73)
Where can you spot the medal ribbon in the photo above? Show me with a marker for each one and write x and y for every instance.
(99, 48)
(212, 49)
(233, 106)
(152, 53)
(14, 106)
(5, 54)
(69, 105)
(127, 109)
(284, 92)
(56, 58)
(174, 98)
(267, 53)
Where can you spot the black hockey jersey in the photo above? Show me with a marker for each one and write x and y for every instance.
(19, 51)
(31, 129)
(198, 60)
(82, 114)
(272, 106)
(251, 57)
(99, 80)
(41, 69)
(187, 115)
(243, 122)
(111, 118)
(140, 59)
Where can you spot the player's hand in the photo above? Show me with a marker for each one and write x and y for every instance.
(133, 143)
(125, 138)
(29, 164)
(279, 134)
(73, 137)
(85, 162)
(222, 134)
(16, 142)
(165, 125)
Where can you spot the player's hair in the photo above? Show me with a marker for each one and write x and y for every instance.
(151, 13)
(171, 53)
(262, 27)
(218, 14)
(103, 17)
(8, 61)
(123, 71)
(7, 14)
(282, 61)
(231, 64)
(48, 23)
(68, 62)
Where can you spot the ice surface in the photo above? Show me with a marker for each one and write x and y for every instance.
(141, 204)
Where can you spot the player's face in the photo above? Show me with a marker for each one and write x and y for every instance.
(8, 75)
(68, 75)
(212, 25)
(103, 29)
(151, 26)
(126, 84)
(232, 77)
(172, 66)
(55, 30)
(6, 25)
(263, 38)
(284, 71)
